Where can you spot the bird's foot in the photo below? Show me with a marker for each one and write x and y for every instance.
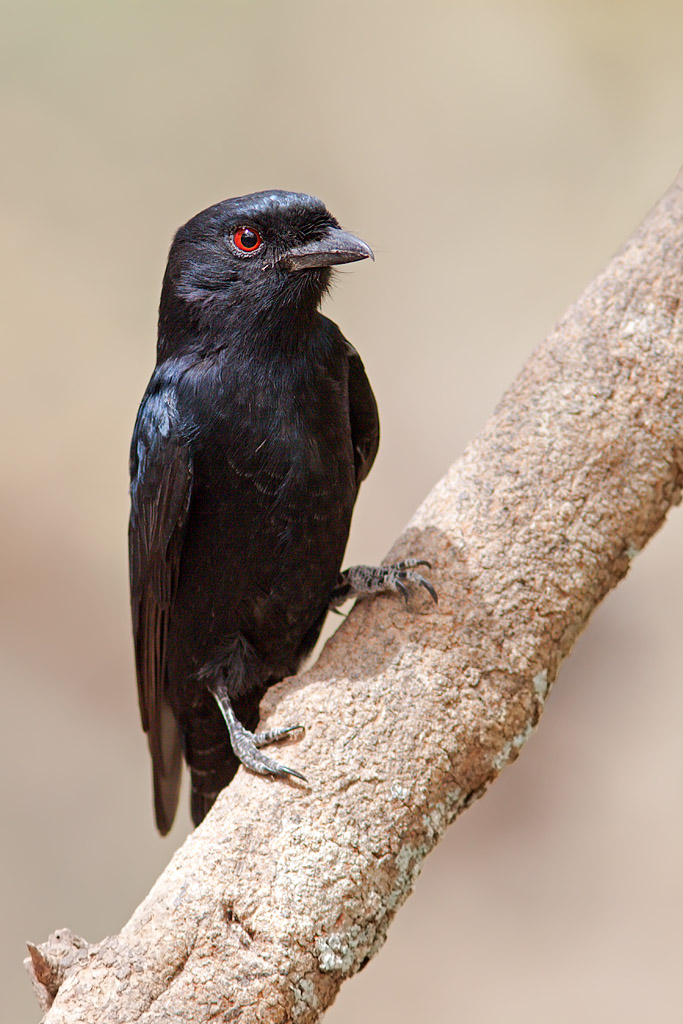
(367, 580)
(262, 739)
(246, 745)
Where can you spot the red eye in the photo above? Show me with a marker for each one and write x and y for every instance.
(247, 239)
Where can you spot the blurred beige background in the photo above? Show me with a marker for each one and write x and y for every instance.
(494, 154)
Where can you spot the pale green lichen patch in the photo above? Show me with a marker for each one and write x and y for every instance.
(512, 746)
(305, 999)
(541, 684)
(408, 867)
(399, 792)
(631, 552)
(339, 951)
(344, 951)
(442, 815)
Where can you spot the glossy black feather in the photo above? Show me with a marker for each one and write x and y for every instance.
(253, 436)
(363, 416)
(161, 485)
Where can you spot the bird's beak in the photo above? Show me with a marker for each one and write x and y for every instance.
(336, 246)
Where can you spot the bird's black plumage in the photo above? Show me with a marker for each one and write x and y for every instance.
(255, 431)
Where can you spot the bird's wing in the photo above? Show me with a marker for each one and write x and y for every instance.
(363, 415)
(161, 486)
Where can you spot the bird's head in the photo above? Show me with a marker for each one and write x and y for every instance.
(260, 261)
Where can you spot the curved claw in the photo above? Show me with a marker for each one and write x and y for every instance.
(262, 739)
(295, 774)
(414, 577)
(410, 563)
(430, 590)
(263, 765)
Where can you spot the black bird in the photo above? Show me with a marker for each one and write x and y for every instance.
(253, 436)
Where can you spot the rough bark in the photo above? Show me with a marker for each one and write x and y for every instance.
(285, 891)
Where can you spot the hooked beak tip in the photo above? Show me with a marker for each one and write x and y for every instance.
(334, 248)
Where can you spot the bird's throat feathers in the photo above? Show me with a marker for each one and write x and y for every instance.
(250, 269)
(194, 317)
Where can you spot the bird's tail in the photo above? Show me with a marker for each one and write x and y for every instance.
(165, 748)
(210, 771)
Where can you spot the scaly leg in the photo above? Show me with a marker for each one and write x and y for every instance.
(246, 744)
(366, 580)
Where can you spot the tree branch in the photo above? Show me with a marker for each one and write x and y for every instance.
(284, 892)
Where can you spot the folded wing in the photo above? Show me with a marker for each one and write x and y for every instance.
(363, 416)
(161, 488)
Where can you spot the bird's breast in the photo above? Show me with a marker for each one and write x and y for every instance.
(276, 444)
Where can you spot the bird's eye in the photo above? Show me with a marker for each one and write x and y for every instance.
(247, 239)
